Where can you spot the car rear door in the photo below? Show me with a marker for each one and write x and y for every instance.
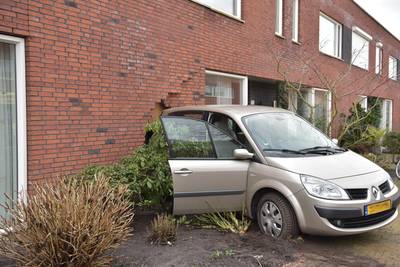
(206, 177)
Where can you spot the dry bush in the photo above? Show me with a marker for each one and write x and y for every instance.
(225, 221)
(69, 223)
(163, 229)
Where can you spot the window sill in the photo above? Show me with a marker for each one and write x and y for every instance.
(296, 42)
(280, 35)
(218, 11)
(334, 57)
(358, 67)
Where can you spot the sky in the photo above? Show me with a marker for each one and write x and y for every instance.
(387, 12)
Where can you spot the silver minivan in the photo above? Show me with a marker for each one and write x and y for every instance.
(277, 167)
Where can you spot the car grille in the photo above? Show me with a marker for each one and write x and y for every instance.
(385, 187)
(363, 221)
(359, 193)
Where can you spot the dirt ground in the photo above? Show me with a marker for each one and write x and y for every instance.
(206, 247)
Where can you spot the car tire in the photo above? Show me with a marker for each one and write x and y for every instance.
(276, 217)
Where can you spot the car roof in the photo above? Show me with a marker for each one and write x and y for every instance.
(231, 110)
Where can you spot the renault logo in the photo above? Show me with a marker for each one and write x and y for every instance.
(375, 192)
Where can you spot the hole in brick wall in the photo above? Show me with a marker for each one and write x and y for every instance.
(70, 3)
(196, 60)
(190, 27)
(157, 110)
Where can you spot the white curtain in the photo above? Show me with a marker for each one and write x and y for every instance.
(8, 121)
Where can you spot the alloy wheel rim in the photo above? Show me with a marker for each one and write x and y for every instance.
(271, 219)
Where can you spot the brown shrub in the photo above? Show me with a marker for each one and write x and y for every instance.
(163, 229)
(70, 223)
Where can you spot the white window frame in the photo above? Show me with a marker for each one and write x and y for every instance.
(243, 84)
(21, 113)
(295, 21)
(238, 8)
(393, 76)
(293, 102)
(378, 58)
(384, 119)
(338, 37)
(279, 17)
(367, 38)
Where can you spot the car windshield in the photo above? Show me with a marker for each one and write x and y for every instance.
(278, 134)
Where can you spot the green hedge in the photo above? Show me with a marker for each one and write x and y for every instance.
(146, 171)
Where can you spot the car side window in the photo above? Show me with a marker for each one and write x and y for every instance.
(224, 144)
(229, 126)
(188, 138)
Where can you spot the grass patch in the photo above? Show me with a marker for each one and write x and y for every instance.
(225, 221)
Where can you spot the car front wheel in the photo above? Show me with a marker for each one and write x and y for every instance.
(276, 217)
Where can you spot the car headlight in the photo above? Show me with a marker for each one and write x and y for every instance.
(323, 189)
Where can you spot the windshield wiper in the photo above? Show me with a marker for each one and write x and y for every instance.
(284, 150)
(323, 149)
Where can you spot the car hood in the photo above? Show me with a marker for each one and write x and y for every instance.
(327, 167)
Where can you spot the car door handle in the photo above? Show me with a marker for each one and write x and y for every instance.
(183, 171)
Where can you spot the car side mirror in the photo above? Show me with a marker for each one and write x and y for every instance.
(335, 141)
(242, 154)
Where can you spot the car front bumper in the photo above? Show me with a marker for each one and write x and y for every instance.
(341, 217)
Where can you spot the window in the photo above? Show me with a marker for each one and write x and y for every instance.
(386, 119)
(279, 17)
(393, 68)
(12, 119)
(330, 36)
(314, 104)
(295, 21)
(378, 58)
(188, 138)
(223, 89)
(363, 101)
(230, 7)
(360, 48)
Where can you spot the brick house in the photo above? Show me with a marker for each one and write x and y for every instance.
(79, 79)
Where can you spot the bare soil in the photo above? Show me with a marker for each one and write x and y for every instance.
(207, 247)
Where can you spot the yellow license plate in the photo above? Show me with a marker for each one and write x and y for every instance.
(378, 207)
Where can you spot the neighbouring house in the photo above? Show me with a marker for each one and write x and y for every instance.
(80, 78)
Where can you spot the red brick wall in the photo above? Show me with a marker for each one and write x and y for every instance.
(96, 68)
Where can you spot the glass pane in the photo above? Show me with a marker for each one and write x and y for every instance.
(360, 51)
(224, 144)
(8, 130)
(228, 6)
(222, 90)
(327, 39)
(188, 138)
(304, 104)
(321, 110)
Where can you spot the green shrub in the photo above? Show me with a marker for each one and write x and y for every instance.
(361, 128)
(392, 142)
(146, 172)
(68, 223)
